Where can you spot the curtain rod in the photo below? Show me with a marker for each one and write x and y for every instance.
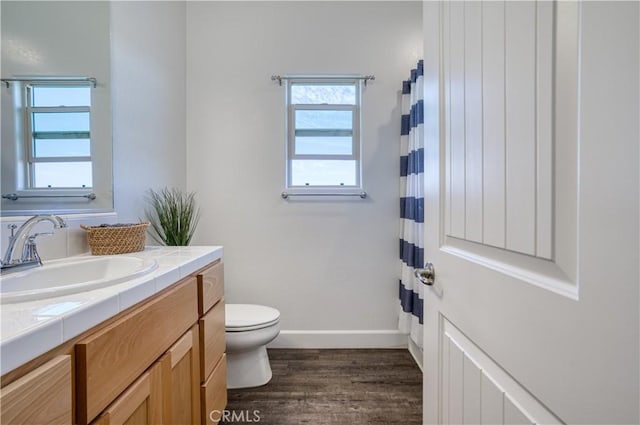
(92, 80)
(14, 196)
(366, 78)
(285, 195)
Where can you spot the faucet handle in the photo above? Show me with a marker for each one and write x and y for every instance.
(13, 228)
(30, 251)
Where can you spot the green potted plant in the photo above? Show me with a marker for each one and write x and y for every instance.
(174, 216)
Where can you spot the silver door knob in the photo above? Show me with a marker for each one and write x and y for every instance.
(426, 275)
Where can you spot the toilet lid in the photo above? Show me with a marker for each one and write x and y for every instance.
(243, 317)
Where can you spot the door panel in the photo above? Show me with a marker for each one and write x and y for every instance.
(492, 411)
(545, 16)
(509, 184)
(480, 391)
(473, 121)
(493, 129)
(456, 117)
(534, 318)
(498, 74)
(520, 122)
(472, 391)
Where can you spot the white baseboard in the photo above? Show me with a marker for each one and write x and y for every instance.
(416, 353)
(340, 339)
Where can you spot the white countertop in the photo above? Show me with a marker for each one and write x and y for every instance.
(29, 329)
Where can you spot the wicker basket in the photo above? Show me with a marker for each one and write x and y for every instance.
(108, 240)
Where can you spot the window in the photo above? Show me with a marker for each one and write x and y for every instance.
(58, 135)
(323, 144)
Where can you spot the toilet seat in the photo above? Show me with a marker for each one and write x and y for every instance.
(249, 317)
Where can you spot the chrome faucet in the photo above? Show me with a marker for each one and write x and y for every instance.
(23, 238)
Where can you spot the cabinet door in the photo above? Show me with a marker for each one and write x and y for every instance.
(140, 404)
(214, 393)
(181, 379)
(42, 396)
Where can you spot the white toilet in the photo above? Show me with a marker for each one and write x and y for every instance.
(249, 328)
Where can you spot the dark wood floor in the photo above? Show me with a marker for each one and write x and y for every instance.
(334, 387)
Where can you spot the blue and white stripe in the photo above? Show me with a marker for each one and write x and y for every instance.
(411, 294)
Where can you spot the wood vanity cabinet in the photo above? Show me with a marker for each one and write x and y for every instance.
(159, 362)
(42, 396)
(213, 361)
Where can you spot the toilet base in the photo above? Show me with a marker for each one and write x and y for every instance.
(248, 368)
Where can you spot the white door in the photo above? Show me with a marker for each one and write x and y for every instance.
(532, 220)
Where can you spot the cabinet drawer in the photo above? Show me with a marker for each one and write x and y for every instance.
(210, 287)
(110, 360)
(212, 343)
(42, 396)
(214, 393)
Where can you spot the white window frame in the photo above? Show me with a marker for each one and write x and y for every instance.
(30, 158)
(17, 197)
(356, 131)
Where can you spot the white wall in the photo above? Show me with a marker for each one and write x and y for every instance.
(329, 266)
(148, 79)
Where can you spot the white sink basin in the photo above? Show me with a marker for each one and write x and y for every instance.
(70, 276)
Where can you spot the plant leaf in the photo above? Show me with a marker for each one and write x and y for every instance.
(174, 216)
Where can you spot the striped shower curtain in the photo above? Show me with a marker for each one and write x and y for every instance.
(411, 205)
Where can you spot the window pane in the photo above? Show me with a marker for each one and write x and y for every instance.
(324, 146)
(61, 147)
(62, 174)
(317, 94)
(61, 96)
(322, 119)
(61, 121)
(323, 172)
